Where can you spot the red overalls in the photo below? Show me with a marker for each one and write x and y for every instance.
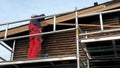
(35, 41)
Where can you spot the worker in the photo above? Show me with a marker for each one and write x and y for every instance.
(35, 41)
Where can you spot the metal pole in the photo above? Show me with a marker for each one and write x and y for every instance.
(45, 33)
(2, 59)
(54, 25)
(101, 22)
(36, 18)
(6, 31)
(12, 54)
(97, 13)
(6, 47)
(86, 35)
(88, 64)
(26, 20)
(97, 32)
(104, 12)
(114, 47)
(77, 39)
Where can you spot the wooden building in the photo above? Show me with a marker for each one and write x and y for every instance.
(97, 50)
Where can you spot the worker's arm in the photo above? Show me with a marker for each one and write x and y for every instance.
(41, 30)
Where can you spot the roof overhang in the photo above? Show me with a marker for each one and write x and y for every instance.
(64, 17)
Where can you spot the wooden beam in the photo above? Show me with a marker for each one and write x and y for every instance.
(19, 29)
(85, 11)
(15, 30)
(89, 25)
(80, 12)
(111, 6)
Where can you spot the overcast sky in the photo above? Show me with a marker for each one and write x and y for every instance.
(13, 10)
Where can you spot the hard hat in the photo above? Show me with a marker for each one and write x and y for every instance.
(33, 15)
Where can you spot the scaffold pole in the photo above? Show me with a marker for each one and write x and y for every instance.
(77, 39)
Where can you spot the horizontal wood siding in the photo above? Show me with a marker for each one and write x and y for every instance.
(56, 45)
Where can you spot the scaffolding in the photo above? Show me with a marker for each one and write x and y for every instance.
(79, 38)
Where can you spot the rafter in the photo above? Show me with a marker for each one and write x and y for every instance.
(89, 25)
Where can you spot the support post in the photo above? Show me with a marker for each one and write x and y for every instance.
(86, 35)
(6, 31)
(12, 53)
(88, 65)
(54, 25)
(114, 47)
(77, 39)
(101, 22)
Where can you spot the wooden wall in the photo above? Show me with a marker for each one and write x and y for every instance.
(110, 21)
(56, 45)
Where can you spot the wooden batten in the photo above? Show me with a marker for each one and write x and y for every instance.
(82, 12)
(72, 15)
(112, 6)
(15, 30)
(90, 25)
(56, 45)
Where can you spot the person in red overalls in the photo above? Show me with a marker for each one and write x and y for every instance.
(35, 41)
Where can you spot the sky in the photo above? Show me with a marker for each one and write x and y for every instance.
(13, 10)
(4, 53)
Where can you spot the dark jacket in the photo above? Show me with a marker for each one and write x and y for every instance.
(37, 22)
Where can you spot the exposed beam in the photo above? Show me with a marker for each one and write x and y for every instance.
(89, 25)
(15, 30)
(72, 15)
(85, 11)
(111, 6)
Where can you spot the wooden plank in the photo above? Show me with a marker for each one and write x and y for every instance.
(89, 25)
(15, 30)
(72, 15)
(62, 45)
(111, 6)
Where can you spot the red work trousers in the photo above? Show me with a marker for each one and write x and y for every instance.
(35, 42)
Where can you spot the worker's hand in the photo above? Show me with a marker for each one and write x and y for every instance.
(40, 30)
